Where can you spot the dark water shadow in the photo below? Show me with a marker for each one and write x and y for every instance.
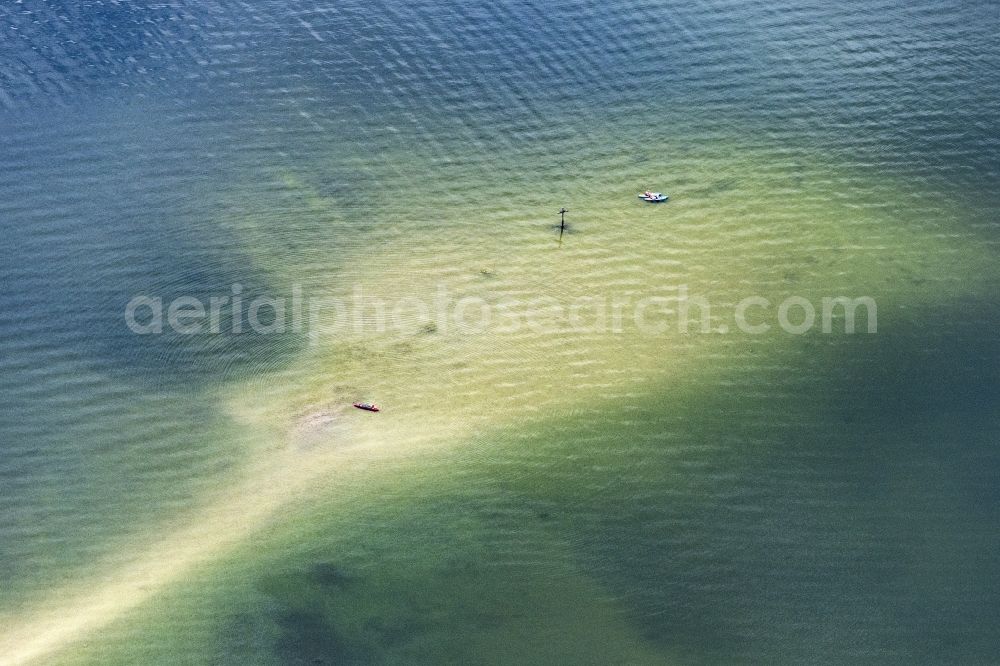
(849, 517)
(841, 511)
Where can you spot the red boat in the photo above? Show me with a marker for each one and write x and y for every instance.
(367, 406)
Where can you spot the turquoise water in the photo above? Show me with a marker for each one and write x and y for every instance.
(527, 498)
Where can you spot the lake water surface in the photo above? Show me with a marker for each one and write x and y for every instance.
(529, 493)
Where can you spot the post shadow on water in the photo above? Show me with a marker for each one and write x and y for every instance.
(845, 513)
(563, 227)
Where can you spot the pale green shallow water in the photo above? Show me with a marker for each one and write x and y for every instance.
(524, 497)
